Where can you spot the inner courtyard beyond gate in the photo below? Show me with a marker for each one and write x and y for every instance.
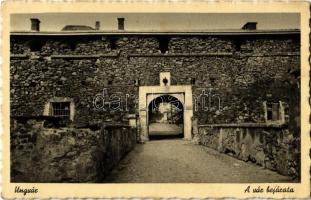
(165, 117)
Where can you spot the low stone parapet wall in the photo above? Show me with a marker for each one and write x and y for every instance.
(272, 146)
(66, 154)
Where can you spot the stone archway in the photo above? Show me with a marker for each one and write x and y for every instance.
(148, 93)
(165, 117)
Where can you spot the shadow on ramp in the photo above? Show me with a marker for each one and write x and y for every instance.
(166, 137)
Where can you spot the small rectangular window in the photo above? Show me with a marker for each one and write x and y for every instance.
(113, 43)
(237, 44)
(72, 44)
(121, 23)
(35, 45)
(269, 114)
(61, 109)
(163, 44)
(274, 111)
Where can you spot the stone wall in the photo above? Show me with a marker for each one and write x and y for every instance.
(239, 73)
(65, 154)
(271, 146)
(243, 71)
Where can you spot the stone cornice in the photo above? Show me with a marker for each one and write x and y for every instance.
(245, 125)
(154, 33)
(96, 56)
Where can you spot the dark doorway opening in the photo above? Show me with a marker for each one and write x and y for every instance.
(163, 44)
(165, 118)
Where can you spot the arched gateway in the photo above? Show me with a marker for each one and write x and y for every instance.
(180, 96)
(165, 117)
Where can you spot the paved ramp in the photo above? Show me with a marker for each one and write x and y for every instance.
(179, 161)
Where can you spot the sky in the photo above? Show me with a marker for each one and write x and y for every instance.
(157, 22)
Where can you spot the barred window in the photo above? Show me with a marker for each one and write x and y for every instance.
(276, 112)
(61, 109)
(273, 111)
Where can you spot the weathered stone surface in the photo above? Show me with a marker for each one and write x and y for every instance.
(241, 81)
(273, 148)
(253, 70)
(68, 154)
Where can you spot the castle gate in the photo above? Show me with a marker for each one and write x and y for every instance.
(178, 95)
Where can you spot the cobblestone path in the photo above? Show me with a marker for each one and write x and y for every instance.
(179, 161)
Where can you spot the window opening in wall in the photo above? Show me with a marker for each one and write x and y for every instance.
(121, 23)
(35, 45)
(61, 110)
(163, 44)
(113, 42)
(273, 111)
(109, 82)
(72, 45)
(237, 44)
(276, 112)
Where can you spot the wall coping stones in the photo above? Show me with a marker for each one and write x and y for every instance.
(106, 125)
(116, 126)
(246, 125)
